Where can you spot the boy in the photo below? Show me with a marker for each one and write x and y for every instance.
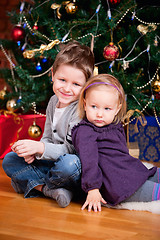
(50, 166)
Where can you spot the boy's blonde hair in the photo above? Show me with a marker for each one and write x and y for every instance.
(103, 78)
(76, 55)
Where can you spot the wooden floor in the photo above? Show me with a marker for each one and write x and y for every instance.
(42, 219)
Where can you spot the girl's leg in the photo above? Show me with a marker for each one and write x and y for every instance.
(25, 177)
(149, 191)
(156, 176)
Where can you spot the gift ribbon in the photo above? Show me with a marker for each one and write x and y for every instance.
(140, 118)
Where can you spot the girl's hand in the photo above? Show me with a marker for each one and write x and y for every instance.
(26, 148)
(94, 199)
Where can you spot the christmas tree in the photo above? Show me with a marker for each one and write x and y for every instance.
(124, 36)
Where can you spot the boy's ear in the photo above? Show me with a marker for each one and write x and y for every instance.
(84, 104)
(52, 74)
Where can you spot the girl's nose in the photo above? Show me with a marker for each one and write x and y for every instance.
(99, 113)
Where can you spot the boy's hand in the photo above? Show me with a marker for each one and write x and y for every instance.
(29, 159)
(27, 148)
(94, 199)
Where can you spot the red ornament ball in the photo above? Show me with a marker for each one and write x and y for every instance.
(35, 27)
(110, 52)
(113, 2)
(18, 33)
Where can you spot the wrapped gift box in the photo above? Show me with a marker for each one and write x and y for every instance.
(148, 138)
(15, 128)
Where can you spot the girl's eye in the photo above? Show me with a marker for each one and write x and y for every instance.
(62, 80)
(93, 106)
(107, 108)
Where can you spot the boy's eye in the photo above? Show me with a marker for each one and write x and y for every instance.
(61, 79)
(107, 108)
(77, 84)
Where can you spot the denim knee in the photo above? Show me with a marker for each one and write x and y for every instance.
(10, 162)
(71, 164)
(66, 172)
(8, 159)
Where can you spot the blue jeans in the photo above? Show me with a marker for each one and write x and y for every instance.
(63, 173)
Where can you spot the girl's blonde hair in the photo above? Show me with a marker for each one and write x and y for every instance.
(112, 81)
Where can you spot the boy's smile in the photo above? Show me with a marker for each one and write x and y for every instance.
(67, 84)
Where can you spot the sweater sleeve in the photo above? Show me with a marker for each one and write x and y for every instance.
(85, 142)
(53, 148)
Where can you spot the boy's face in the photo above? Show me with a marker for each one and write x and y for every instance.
(67, 84)
(101, 105)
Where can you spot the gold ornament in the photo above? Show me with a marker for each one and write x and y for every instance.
(144, 29)
(55, 6)
(71, 8)
(95, 71)
(11, 105)
(3, 93)
(43, 47)
(156, 85)
(34, 130)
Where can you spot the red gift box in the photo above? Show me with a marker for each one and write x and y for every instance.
(15, 127)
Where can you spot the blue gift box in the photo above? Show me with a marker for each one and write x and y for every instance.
(148, 138)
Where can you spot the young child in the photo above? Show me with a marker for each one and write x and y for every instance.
(109, 174)
(50, 166)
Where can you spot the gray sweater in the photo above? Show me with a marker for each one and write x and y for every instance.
(53, 147)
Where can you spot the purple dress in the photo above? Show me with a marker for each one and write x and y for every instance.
(106, 163)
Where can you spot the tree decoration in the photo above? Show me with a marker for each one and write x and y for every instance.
(144, 29)
(43, 47)
(11, 105)
(3, 93)
(111, 52)
(71, 7)
(114, 2)
(34, 130)
(156, 41)
(35, 27)
(57, 7)
(18, 33)
(156, 85)
(92, 19)
(38, 67)
(125, 65)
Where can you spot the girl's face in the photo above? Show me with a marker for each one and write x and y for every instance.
(67, 84)
(101, 105)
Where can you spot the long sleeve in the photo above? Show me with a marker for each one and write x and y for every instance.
(85, 142)
(56, 147)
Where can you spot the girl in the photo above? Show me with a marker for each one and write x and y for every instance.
(109, 174)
